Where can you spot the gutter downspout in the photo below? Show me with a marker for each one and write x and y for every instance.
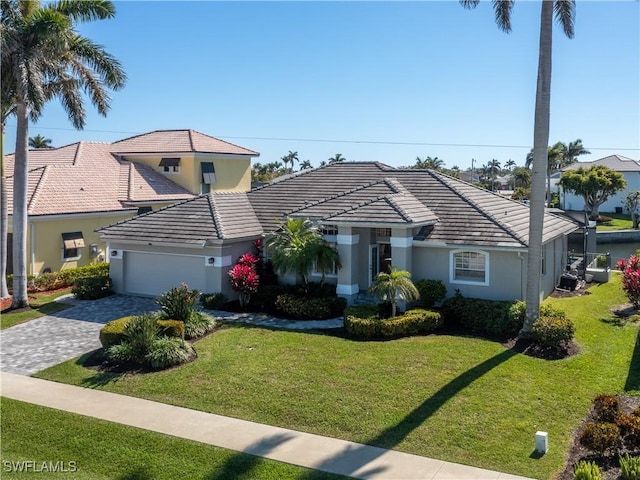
(32, 253)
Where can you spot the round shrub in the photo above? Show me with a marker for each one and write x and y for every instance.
(213, 301)
(122, 353)
(552, 330)
(92, 288)
(166, 352)
(113, 332)
(431, 292)
(198, 324)
(171, 328)
(606, 408)
(629, 426)
(600, 437)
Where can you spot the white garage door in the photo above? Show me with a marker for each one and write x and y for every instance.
(154, 274)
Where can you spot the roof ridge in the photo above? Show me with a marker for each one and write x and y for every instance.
(38, 189)
(344, 193)
(390, 200)
(190, 134)
(359, 205)
(130, 182)
(76, 157)
(215, 216)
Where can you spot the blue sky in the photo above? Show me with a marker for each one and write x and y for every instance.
(383, 81)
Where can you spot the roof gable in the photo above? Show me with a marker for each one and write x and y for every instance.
(177, 141)
(614, 162)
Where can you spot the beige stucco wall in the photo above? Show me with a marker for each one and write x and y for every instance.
(233, 173)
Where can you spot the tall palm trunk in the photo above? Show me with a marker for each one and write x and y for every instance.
(20, 298)
(539, 169)
(4, 220)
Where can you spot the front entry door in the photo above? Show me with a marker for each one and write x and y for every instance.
(374, 263)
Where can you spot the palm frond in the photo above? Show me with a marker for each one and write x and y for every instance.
(469, 4)
(565, 13)
(502, 9)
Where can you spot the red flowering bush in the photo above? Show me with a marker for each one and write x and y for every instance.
(244, 278)
(631, 279)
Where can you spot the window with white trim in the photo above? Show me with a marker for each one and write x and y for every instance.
(470, 267)
(328, 230)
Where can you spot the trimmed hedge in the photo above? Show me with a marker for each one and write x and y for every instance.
(64, 278)
(431, 292)
(295, 306)
(92, 288)
(489, 317)
(113, 332)
(364, 322)
(171, 328)
(553, 329)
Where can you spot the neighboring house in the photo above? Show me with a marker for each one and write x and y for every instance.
(75, 189)
(630, 170)
(435, 226)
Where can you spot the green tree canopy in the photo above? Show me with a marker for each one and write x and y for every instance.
(297, 246)
(395, 285)
(595, 184)
(39, 142)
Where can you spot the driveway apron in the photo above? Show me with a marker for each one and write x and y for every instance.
(46, 341)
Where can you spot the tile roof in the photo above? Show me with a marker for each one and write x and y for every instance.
(177, 141)
(452, 212)
(615, 162)
(197, 221)
(86, 177)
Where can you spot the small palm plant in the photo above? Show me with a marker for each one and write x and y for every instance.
(394, 285)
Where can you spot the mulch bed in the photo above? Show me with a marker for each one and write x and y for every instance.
(609, 464)
(5, 304)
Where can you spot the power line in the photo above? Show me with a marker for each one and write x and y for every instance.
(365, 142)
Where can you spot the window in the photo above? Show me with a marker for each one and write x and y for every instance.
(142, 210)
(543, 267)
(208, 173)
(469, 267)
(71, 244)
(328, 230)
(170, 165)
(383, 232)
(334, 269)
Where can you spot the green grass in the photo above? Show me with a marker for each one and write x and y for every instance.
(459, 399)
(41, 303)
(618, 221)
(104, 450)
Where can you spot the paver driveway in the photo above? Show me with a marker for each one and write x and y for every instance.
(46, 341)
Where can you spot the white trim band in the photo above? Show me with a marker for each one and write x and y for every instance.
(348, 239)
(401, 242)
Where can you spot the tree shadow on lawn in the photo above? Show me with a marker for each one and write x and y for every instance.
(392, 436)
(633, 377)
(101, 377)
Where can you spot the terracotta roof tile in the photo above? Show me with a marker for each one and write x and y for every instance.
(177, 141)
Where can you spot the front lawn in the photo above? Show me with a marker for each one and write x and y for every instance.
(104, 450)
(619, 221)
(459, 399)
(40, 304)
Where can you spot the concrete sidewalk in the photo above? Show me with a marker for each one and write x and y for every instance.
(298, 448)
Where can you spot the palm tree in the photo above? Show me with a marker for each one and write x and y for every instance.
(297, 246)
(564, 13)
(7, 108)
(39, 142)
(572, 151)
(509, 164)
(432, 163)
(291, 157)
(494, 168)
(394, 285)
(306, 164)
(337, 158)
(521, 177)
(43, 57)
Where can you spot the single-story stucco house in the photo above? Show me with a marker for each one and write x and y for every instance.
(433, 225)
